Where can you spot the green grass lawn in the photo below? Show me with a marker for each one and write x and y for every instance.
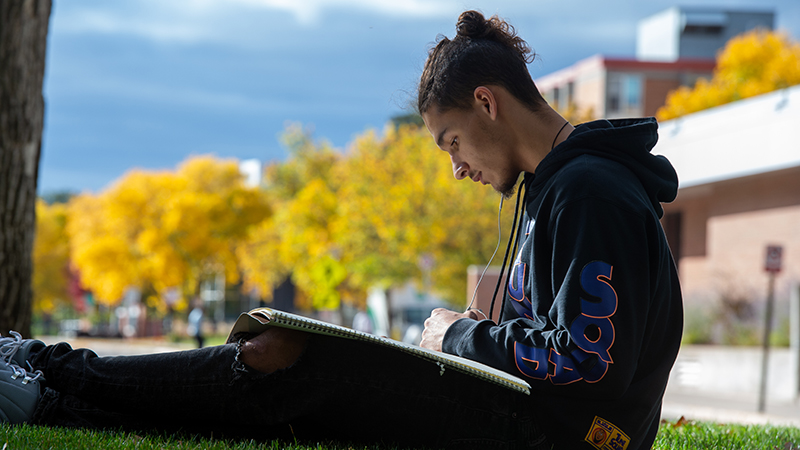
(680, 435)
(691, 435)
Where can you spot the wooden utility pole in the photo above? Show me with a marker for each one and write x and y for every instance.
(23, 43)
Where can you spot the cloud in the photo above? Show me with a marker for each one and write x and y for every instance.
(163, 94)
(111, 22)
(309, 11)
(153, 20)
(226, 21)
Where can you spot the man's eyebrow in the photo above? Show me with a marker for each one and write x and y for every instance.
(440, 138)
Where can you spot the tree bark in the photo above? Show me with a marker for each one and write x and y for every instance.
(23, 41)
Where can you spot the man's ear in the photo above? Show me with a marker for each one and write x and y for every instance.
(485, 101)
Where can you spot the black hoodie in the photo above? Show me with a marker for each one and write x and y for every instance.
(593, 314)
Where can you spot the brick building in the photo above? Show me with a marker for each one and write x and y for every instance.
(739, 171)
(673, 48)
(620, 87)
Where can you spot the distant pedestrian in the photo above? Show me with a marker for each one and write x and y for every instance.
(362, 322)
(195, 327)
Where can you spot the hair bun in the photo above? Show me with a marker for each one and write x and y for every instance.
(471, 24)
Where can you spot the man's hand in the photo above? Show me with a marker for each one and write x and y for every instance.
(437, 324)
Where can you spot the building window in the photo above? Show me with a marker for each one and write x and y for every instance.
(703, 30)
(632, 92)
(624, 94)
(701, 24)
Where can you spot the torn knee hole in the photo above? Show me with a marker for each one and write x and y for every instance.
(274, 349)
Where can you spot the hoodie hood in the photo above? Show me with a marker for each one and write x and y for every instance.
(626, 141)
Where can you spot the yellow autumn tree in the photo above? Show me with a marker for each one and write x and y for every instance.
(163, 230)
(576, 115)
(344, 223)
(751, 64)
(50, 257)
(297, 241)
(399, 204)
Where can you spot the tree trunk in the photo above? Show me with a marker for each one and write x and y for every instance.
(23, 40)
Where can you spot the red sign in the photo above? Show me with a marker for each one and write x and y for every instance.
(773, 263)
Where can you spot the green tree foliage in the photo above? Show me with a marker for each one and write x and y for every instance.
(297, 239)
(400, 202)
(349, 222)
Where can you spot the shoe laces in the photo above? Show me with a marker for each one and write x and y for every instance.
(9, 346)
(26, 377)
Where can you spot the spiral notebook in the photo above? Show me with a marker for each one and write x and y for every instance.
(259, 319)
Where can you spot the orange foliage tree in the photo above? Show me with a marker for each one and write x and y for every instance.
(751, 64)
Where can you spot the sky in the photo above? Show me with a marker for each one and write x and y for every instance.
(148, 83)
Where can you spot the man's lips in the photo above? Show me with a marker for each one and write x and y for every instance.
(479, 178)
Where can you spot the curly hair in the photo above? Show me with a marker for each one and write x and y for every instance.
(484, 51)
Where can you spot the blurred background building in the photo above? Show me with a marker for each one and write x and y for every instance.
(739, 169)
(673, 48)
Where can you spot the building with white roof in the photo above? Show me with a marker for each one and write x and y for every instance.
(739, 172)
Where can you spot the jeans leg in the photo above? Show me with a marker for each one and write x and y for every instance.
(353, 391)
(178, 390)
(339, 389)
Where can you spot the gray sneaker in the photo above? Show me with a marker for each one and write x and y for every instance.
(19, 388)
(16, 350)
(19, 393)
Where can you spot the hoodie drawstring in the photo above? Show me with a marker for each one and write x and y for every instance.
(512, 238)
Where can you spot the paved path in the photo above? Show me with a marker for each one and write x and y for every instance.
(115, 347)
(728, 409)
(677, 403)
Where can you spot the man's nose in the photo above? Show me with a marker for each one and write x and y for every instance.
(460, 170)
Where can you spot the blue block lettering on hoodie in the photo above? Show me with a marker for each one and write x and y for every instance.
(592, 332)
(516, 283)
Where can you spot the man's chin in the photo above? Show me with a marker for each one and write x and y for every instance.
(507, 190)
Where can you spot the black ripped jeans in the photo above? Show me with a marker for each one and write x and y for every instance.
(339, 389)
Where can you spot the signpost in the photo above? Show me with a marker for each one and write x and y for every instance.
(772, 265)
(773, 262)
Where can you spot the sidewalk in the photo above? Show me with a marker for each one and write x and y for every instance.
(731, 409)
(116, 347)
(721, 384)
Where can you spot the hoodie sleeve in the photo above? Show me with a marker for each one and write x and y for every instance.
(580, 290)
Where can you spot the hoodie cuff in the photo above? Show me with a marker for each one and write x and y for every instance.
(455, 333)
